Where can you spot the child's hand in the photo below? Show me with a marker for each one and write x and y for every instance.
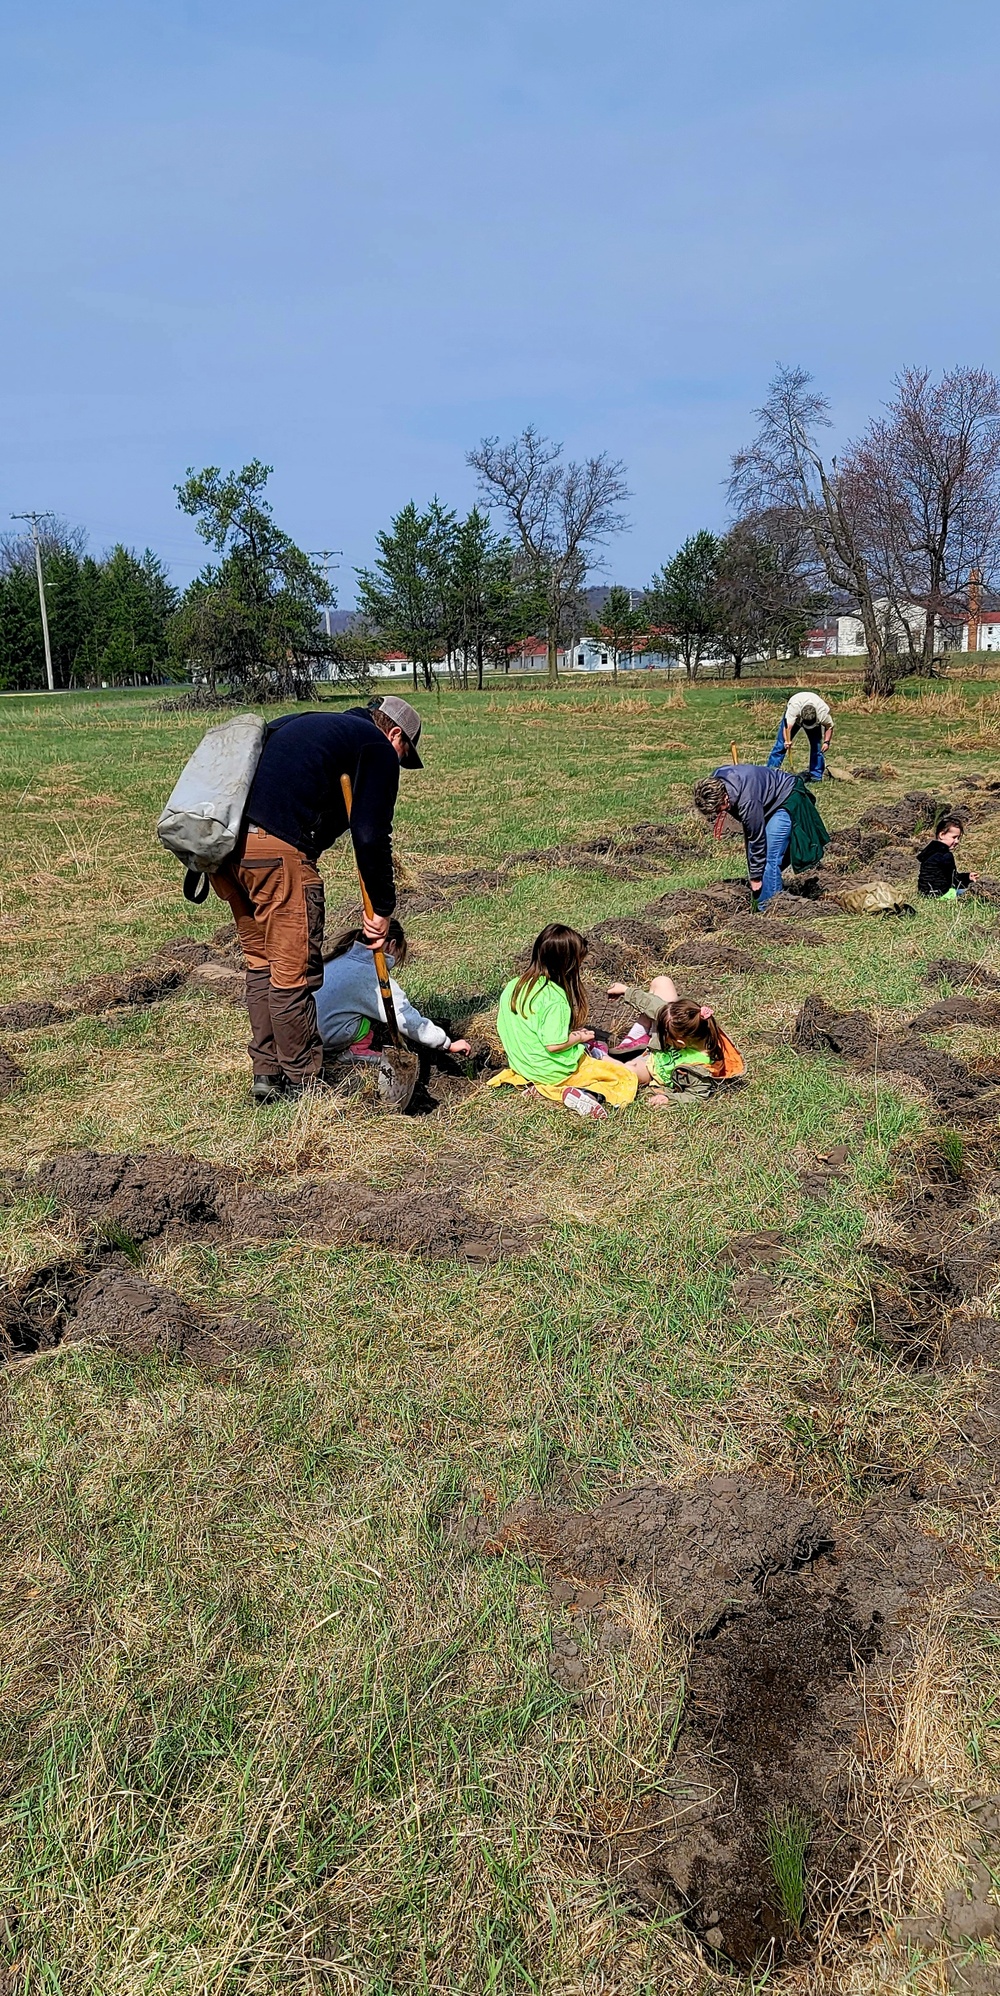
(581, 1037)
(460, 1046)
(617, 990)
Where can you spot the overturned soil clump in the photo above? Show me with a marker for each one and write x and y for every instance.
(954, 971)
(781, 1610)
(958, 1093)
(721, 959)
(26, 1013)
(163, 1195)
(155, 1195)
(103, 1301)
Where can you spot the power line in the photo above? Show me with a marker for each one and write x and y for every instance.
(325, 557)
(34, 518)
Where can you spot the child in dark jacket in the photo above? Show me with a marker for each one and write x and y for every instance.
(939, 875)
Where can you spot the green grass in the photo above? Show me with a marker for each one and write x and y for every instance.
(267, 1725)
(788, 1838)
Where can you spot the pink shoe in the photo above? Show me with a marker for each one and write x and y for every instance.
(583, 1103)
(636, 1040)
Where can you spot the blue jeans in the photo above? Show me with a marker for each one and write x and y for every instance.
(779, 831)
(815, 739)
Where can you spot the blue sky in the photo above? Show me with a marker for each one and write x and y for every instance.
(353, 238)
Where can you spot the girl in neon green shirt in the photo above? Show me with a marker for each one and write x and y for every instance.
(541, 1025)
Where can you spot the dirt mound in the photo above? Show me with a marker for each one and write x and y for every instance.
(25, 1013)
(781, 1611)
(145, 985)
(957, 1011)
(10, 1074)
(816, 1180)
(623, 949)
(706, 1549)
(705, 907)
(141, 1198)
(786, 934)
(160, 1195)
(954, 971)
(719, 959)
(103, 1301)
(820, 1027)
(954, 1089)
(758, 1250)
(916, 812)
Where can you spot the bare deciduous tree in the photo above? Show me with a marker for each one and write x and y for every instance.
(783, 467)
(767, 588)
(925, 482)
(561, 513)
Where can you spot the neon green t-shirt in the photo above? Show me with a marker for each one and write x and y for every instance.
(542, 1019)
(663, 1060)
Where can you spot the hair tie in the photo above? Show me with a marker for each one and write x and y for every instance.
(706, 1012)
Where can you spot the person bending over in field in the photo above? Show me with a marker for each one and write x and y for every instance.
(542, 1026)
(295, 810)
(777, 814)
(808, 712)
(939, 875)
(349, 1003)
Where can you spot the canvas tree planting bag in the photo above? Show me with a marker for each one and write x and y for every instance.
(200, 822)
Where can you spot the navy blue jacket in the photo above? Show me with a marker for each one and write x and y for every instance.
(755, 793)
(296, 791)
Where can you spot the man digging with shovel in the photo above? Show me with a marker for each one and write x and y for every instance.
(298, 805)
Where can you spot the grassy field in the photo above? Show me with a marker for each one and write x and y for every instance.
(271, 1720)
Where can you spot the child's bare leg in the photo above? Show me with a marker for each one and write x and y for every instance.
(641, 1069)
(664, 989)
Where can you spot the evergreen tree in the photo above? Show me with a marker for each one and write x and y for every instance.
(252, 621)
(408, 598)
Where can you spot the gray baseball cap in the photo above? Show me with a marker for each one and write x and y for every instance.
(407, 718)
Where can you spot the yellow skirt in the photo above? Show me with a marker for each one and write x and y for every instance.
(609, 1078)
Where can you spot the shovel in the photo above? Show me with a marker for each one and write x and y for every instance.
(398, 1065)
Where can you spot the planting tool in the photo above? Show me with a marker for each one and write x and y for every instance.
(734, 754)
(398, 1065)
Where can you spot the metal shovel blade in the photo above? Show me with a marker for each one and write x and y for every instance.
(398, 1069)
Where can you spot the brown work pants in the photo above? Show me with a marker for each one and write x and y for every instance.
(276, 896)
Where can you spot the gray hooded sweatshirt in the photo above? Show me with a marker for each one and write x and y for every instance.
(349, 993)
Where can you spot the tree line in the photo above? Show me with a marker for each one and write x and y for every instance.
(108, 617)
(895, 528)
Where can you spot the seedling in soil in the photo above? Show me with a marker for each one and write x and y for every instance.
(951, 1145)
(788, 1837)
(112, 1235)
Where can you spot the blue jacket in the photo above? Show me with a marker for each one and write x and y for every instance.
(755, 793)
(296, 791)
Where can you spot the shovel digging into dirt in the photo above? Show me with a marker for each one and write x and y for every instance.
(398, 1065)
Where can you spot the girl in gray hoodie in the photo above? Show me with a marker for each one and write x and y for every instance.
(349, 1002)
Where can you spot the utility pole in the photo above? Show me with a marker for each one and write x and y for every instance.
(34, 518)
(325, 558)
